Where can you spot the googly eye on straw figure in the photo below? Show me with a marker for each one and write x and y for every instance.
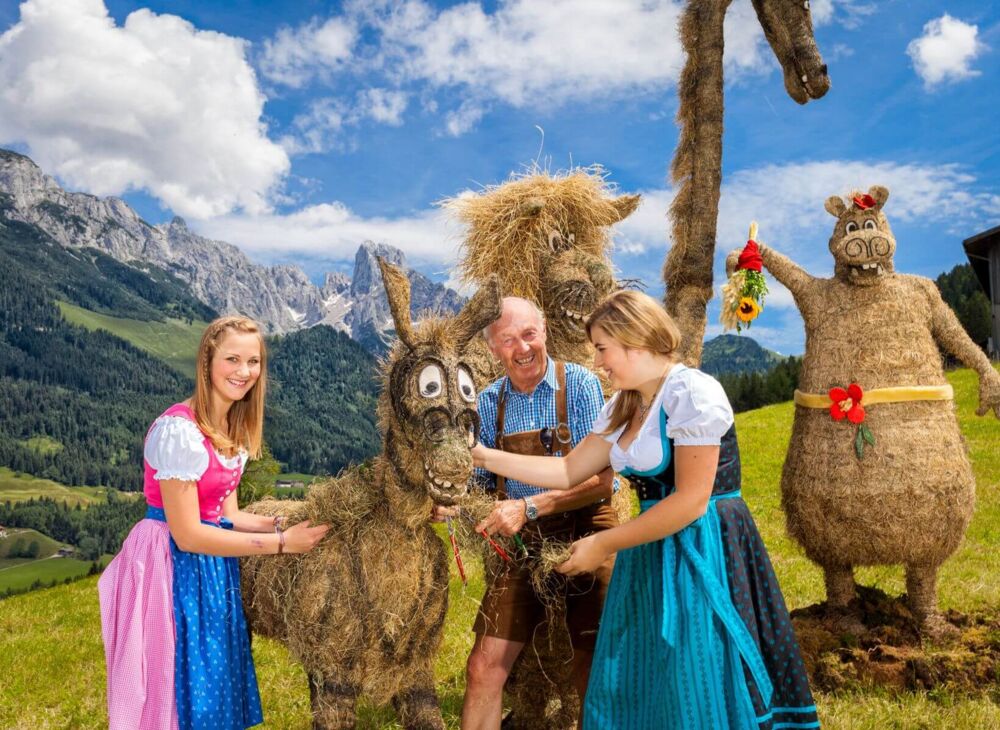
(743, 295)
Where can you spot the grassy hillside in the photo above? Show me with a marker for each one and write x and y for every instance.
(16, 487)
(174, 341)
(46, 545)
(52, 663)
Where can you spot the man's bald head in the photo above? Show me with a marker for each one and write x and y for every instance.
(512, 310)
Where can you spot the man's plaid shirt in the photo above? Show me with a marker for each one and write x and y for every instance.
(535, 410)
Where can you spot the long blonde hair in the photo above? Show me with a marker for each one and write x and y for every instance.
(637, 321)
(246, 416)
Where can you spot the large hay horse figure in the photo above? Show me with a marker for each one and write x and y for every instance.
(697, 164)
(908, 497)
(547, 238)
(364, 612)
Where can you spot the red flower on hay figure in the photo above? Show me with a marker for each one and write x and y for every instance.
(864, 201)
(847, 403)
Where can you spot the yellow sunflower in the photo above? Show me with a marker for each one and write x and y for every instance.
(747, 309)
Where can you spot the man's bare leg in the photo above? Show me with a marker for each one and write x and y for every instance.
(485, 675)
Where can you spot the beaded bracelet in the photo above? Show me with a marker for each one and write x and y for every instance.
(279, 521)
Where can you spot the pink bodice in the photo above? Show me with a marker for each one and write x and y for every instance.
(215, 484)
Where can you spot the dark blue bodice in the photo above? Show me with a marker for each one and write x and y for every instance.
(661, 483)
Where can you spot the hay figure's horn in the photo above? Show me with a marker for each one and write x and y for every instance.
(397, 291)
(625, 206)
(483, 309)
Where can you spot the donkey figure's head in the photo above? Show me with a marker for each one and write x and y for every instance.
(427, 409)
(788, 28)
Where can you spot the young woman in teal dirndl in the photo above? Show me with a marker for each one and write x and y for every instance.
(695, 632)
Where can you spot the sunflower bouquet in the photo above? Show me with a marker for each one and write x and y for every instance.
(743, 295)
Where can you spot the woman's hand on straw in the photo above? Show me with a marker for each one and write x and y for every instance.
(586, 556)
(301, 538)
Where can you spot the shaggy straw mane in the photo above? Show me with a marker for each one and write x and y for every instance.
(507, 233)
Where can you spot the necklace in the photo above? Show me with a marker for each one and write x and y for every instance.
(644, 407)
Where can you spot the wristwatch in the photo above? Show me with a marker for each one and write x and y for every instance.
(530, 510)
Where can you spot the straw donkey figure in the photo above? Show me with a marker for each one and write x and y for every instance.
(547, 238)
(697, 163)
(364, 612)
(908, 497)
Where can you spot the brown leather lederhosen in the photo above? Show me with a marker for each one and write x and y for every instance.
(510, 609)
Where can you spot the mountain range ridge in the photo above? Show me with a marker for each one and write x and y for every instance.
(218, 273)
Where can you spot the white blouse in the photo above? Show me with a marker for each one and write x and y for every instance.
(175, 449)
(691, 408)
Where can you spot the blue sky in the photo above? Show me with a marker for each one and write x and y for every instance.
(298, 130)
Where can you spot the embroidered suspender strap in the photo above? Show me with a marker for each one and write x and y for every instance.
(501, 408)
(562, 433)
(902, 394)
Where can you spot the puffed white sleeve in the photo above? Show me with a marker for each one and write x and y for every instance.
(698, 411)
(175, 449)
(603, 420)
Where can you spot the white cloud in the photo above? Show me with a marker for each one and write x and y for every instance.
(317, 129)
(528, 53)
(945, 51)
(787, 202)
(295, 57)
(333, 231)
(383, 105)
(461, 120)
(154, 104)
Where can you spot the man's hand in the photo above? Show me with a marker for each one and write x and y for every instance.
(586, 556)
(507, 518)
(439, 513)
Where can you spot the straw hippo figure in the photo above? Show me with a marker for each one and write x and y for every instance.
(548, 239)
(364, 611)
(876, 471)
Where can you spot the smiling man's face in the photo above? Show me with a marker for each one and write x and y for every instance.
(517, 340)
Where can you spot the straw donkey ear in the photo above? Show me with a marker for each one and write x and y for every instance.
(625, 206)
(397, 291)
(835, 206)
(483, 309)
(880, 193)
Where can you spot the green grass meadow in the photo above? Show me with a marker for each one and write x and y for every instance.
(173, 341)
(16, 487)
(52, 661)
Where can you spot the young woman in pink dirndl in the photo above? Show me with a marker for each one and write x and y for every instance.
(175, 637)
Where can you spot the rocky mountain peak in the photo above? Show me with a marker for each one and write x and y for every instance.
(367, 278)
(219, 274)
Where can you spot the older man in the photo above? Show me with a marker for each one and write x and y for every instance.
(539, 407)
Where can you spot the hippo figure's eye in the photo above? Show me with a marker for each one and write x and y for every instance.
(430, 381)
(466, 388)
(871, 225)
(851, 227)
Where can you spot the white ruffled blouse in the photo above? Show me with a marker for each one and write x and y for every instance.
(175, 449)
(691, 408)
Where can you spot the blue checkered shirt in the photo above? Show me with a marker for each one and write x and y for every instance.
(535, 410)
